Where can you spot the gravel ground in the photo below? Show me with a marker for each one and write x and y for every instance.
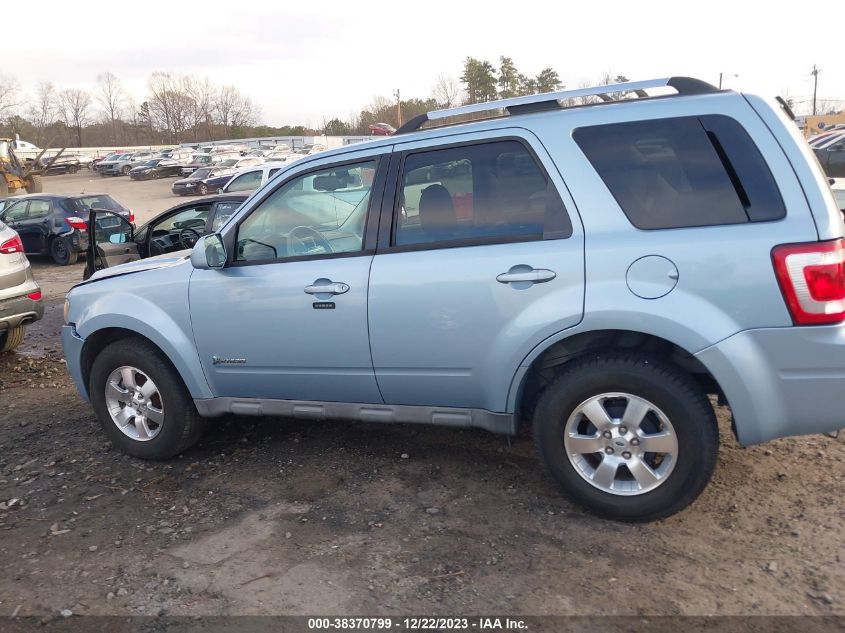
(274, 516)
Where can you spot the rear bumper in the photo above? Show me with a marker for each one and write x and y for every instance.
(781, 381)
(72, 345)
(19, 311)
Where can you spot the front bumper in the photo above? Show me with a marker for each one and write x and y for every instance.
(781, 381)
(72, 345)
(19, 311)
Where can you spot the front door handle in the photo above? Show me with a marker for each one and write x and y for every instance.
(523, 274)
(327, 287)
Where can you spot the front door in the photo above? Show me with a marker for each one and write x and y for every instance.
(287, 317)
(35, 227)
(484, 262)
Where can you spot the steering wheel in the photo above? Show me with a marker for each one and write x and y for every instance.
(186, 240)
(309, 239)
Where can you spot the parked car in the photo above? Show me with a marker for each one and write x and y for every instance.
(381, 129)
(179, 154)
(203, 181)
(199, 161)
(249, 179)
(830, 150)
(56, 225)
(20, 296)
(116, 242)
(96, 161)
(62, 165)
(596, 271)
(156, 168)
(241, 162)
(123, 163)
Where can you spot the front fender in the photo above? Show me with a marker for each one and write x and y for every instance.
(156, 311)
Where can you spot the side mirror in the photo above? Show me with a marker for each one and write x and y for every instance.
(209, 253)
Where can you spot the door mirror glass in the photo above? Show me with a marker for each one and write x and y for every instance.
(117, 238)
(209, 253)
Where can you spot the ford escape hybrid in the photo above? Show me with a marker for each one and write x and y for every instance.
(597, 263)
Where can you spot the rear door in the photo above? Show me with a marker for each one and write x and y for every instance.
(482, 260)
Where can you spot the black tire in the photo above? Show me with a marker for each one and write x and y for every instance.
(182, 426)
(11, 338)
(62, 252)
(666, 386)
(36, 185)
(203, 189)
(126, 169)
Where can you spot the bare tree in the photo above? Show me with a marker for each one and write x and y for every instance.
(8, 95)
(234, 109)
(111, 96)
(44, 110)
(75, 105)
(446, 91)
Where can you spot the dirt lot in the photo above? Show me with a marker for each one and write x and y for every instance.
(285, 517)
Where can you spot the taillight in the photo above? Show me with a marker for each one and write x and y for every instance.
(12, 245)
(131, 217)
(76, 223)
(35, 296)
(812, 279)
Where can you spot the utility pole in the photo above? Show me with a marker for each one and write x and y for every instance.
(815, 73)
(398, 106)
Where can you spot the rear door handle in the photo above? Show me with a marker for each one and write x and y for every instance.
(526, 274)
(324, 286)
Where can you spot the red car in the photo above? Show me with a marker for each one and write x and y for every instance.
(381, 129)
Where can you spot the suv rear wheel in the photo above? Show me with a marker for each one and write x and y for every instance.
(11, 338)
(627, 435)
(141, 402)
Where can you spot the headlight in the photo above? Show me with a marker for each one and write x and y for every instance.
(66, 310)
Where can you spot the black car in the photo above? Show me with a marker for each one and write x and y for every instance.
(156, 168)
(57, 225)
(830, 151)
(202, 181)
(63, 165)
(173, 230)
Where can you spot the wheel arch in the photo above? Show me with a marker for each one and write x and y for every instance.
(545, 361)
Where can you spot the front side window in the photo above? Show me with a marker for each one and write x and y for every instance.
(319, 213)
(16, 211)
(246, 182)
(477, 193)
(683, 172)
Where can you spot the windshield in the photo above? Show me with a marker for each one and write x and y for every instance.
(229, 163)
(202, 160)
(201, 173)
(152, 163)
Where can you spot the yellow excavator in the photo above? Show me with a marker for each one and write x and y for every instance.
(15, 176)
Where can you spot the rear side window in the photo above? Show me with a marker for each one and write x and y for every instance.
(479, 193)
(683, 172)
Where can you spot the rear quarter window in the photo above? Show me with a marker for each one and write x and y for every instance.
(683, 172)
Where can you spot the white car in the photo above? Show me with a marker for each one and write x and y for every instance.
(251, 179)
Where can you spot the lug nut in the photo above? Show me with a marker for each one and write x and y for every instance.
(635, 441)
(623, 429)
(608, 450)
(607, 434)
(626, 455)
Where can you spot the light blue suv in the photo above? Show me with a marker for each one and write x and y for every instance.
(598, 263)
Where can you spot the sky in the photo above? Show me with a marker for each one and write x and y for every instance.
(304, 62)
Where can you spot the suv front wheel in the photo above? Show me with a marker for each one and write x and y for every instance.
(141, 402)
(627, 435)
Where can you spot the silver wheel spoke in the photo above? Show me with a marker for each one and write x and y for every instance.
(148, 389)
(142, 428)
(121, 395)
(583, 444)
(658, 443)
(128, 375)
(156, 415)
(606, 472)
(643, 473)
(595, 412)
(635, 411)
(122, 418)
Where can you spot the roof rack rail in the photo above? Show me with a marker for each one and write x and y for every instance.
(547, 100)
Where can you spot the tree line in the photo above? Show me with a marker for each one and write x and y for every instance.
(181, 108)
(177, 108)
